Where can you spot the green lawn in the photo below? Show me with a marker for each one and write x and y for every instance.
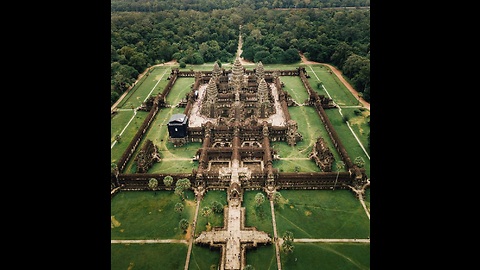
(294, 87)
(148, 256)
(257, 216)
(202, 258)
(307, 214)
(149, 215)
(313, 256)
(149, 85)
(205, 223)
(262, 257)
(322, 214)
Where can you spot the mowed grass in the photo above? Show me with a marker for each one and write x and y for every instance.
(174, 159)
(328, 214)
(294, 87)
(129, 123)
(150, 84)
(347, 138)
(311, 128)
(148, 256)
(205, 223)
(332, 86)
(314, 256)
(203, 258)
(263, 257)
(259, 217)
(149, 215)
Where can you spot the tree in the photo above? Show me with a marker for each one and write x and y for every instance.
(114, 168)
(179, 192)
(153, 184)
(340, 165)
(206, 212)
(277, 197)
(259, 199)
(287, 236)
(179, 207)
(287, 245)
(183, 225)
(359, 162)
(184, 183)
(181, 186)
(217, 207)
(168, 181)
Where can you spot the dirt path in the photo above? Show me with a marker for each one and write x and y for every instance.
(239, 51)
(338, 73)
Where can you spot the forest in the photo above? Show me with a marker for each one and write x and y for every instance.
(209, 5)
(275, 31)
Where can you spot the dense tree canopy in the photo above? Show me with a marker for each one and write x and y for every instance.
(208, 5)
(146, 35)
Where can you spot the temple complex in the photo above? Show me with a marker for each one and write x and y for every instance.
(235, 114)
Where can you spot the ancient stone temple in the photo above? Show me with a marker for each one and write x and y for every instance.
(251, 91)
(238, 113)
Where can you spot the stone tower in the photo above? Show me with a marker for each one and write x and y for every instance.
(208, 108)
(217, 72)
(260, 72)
(264, 105)
(237, 74)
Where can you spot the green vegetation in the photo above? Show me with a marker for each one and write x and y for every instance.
(325, 214)
(149, 215)
(148, 256)
(215, 219)
(263, 257)
(294, 87)
(203, 258)
(148, 33)
(261, 216)
(348, 256)
(307, 214)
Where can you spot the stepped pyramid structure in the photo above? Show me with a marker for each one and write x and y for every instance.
(251, 91)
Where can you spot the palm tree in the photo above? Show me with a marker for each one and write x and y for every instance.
(287, 236)
(168, 181)
(259, 199)
(179, 207)
(153, 184)
(217, 207)
(114, 169)
(179, 192)
(184, 183)
(359, 162)
(206, 212)
(181, 185)
(287, 245)
(183, 224)
(340, 165)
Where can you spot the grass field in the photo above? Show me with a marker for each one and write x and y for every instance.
(310, 214)
(326, 214)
